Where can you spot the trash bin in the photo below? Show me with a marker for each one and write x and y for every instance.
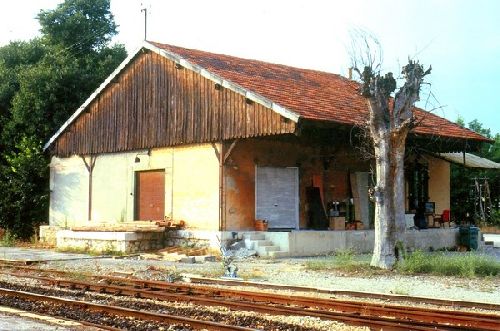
(469, 236)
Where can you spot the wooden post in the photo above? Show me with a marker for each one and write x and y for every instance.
(90, 169)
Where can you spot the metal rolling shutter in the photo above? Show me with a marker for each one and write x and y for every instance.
(277, 196)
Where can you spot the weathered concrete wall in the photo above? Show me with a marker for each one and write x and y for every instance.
(191, 186)
(439, 183)
(68, 192)
(107, 242)
(309, 243)
(239, 180)
(48, 234)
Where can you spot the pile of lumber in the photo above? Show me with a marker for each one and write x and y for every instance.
(134, 226)
(180, 254)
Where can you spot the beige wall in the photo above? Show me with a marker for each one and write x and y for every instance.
(196, 187)
(439, 183)
(191, 186)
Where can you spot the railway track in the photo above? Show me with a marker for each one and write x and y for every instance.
(387, 317)
(351, 294)
(126, 313)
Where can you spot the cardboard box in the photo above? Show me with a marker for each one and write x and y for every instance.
(337, 223)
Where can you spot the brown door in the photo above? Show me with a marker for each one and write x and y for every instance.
(150, 195)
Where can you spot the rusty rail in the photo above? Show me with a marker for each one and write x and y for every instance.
(123, 312)
(227, 282)
(354, 294)
(387, 316)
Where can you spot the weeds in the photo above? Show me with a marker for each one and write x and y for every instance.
(8, 239)
(345, 260)
(401, 289)
(465, 265)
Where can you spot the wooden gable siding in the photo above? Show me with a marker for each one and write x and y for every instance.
(154, 104)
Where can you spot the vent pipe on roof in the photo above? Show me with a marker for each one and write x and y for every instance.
(350, 73)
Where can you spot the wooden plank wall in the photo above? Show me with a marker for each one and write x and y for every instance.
(154, 104)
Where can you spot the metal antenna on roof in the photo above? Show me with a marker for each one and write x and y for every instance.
(145, 10)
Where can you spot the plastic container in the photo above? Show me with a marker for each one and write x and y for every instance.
(468, 237)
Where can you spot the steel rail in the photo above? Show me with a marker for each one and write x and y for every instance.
(465, 319)
(469, 319)
(355, 294)
(123, 312)
(357, 316)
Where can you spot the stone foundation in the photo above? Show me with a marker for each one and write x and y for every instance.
(295, 243)
(109, 242)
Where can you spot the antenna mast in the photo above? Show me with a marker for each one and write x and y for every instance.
(145, 10)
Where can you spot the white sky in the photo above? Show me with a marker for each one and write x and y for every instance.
(459, 38)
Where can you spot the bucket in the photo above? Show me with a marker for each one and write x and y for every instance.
(260, 225)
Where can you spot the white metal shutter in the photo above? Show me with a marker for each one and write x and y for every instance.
(277, 196)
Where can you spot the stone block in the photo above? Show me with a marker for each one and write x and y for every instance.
(205, 258)
(188, 259)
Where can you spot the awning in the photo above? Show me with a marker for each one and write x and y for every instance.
(471, 160)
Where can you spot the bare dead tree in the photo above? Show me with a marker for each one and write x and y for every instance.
(390, 120)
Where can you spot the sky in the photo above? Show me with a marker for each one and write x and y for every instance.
(459, 38)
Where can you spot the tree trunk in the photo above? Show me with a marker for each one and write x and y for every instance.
(399, 185)
(389, 127)
(385, 236)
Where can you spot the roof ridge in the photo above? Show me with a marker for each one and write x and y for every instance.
(158, 44)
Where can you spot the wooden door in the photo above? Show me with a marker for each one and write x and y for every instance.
(277, 197)
(150, 195)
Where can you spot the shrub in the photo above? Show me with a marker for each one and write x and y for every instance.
(8, 239)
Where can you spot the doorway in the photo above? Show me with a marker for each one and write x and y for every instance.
(150, 195)
(277, 196)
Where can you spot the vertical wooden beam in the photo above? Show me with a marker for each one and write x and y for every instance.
(90, 169)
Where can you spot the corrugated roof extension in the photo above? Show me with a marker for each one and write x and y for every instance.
(292, 92)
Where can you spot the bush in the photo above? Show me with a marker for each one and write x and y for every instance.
(468, 264)
(8, 239)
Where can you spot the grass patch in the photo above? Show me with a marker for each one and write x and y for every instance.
(466, 265)
(345, 260)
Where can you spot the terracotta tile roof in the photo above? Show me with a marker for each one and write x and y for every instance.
(313, 95)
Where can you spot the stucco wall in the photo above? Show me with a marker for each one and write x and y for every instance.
(196, 187)
(439, 183)
(191, 186)
(68, 192)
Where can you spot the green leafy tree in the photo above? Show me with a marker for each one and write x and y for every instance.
(80, 26)
(42, 82)
(462, 194)
(26, 201)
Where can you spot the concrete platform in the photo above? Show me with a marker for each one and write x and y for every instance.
(309, 243)
(30, 255)
(492, 237)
